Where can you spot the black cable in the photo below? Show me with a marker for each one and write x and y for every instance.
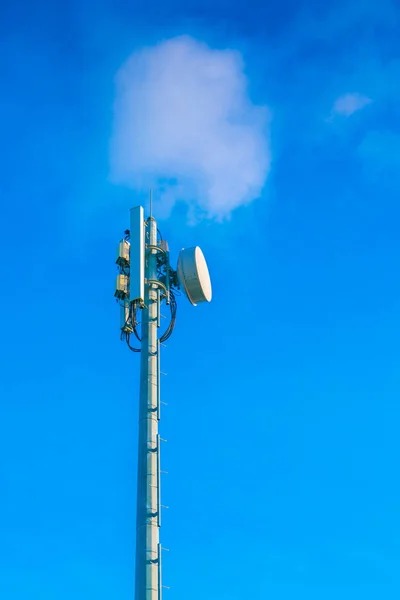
(134, 322)
(127, 339)
(173, 306)
(167, 333)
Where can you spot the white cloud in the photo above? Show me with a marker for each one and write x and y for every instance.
(348, 104)
(184, 123)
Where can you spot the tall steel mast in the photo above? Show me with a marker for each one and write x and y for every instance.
(148, 551)
(145, 280)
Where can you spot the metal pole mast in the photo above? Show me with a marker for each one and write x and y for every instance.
(144, 281)
(148, 550)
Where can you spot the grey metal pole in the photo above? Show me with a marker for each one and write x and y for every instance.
(148, 566)
(139, 260)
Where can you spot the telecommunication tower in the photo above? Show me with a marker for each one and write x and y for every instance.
(145, 281)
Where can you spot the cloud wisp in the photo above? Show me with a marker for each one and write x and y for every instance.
(185, 124)
(348, 104)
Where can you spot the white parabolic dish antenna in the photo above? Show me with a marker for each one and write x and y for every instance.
(194, 276)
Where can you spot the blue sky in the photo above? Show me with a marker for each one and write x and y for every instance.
(282, 394)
